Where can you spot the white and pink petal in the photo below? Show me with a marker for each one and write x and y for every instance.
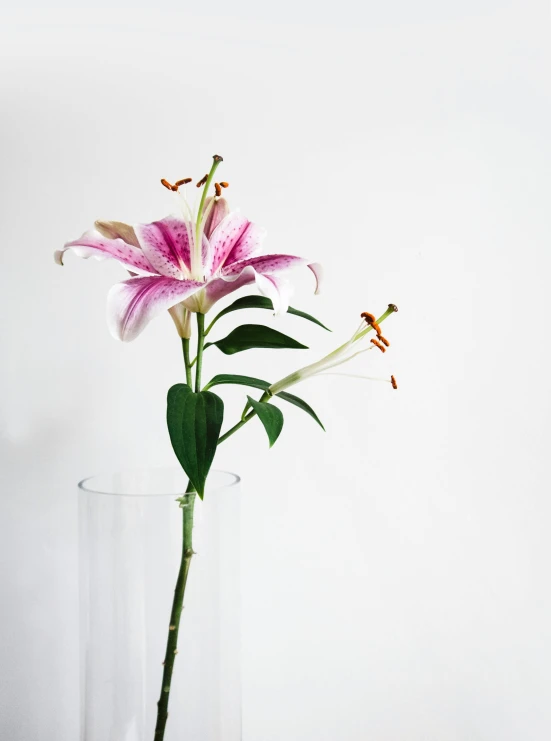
(132, 304)
(277, 289)
(317, 270)
(94, 244)
(166, 244)
(235, 238)
(264, 264)
(217, 288)
(216, 213)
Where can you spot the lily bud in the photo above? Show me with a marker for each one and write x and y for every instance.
(182, 319)
(215, 213)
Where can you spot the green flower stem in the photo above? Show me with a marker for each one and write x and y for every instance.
(187, 503)
(200, 345)
(199, 226)
(265, 397)
(217, 160)
(185, 348)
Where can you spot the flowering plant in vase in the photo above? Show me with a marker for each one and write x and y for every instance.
(185, 264)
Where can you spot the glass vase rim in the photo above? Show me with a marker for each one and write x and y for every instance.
(233, 480)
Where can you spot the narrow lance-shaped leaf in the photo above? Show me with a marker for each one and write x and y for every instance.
(231, 378)
(194, 421)
(270, 416)
(301, 404)
(249, 336)
(261, 302)
(258, 383)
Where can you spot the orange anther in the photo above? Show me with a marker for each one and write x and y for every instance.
(168, 185)
(369, 318)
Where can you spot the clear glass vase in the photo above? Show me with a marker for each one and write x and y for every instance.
(130, 553)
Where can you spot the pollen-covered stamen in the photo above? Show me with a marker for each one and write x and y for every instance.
(369, 318)
(371, 321)
(168, 185)
(185, 181)
(224, 184)
(383, 340)
(203, 180)
(375, 342)
(217, 189)
(393, 382)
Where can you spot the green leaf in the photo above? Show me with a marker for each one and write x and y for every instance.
(270, 416)
(194, 421)
(255, 383)
(249, 336)
(261, 302)
(301, 404)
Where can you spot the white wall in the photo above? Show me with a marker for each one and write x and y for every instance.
(396, 573)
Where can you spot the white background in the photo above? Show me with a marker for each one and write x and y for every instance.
(396, 572)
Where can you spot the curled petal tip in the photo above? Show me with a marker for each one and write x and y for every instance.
(317, 269)
(58, 257)
(117, 230)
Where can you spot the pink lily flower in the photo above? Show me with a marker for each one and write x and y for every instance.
(170, 274)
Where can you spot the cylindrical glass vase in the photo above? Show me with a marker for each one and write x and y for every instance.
(130, 552)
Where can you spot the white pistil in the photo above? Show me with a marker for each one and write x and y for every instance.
(356, 375)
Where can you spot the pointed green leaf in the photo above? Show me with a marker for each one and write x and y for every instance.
(270, 416)
(194, 421)
(301, 404)
(261, 302)
(249, 336)
(256, 383)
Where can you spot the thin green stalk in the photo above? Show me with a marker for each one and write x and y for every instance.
(185, 348)
(187, 504)
(217, 160)
(200, 344)
(265, 397)
(198, 236)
